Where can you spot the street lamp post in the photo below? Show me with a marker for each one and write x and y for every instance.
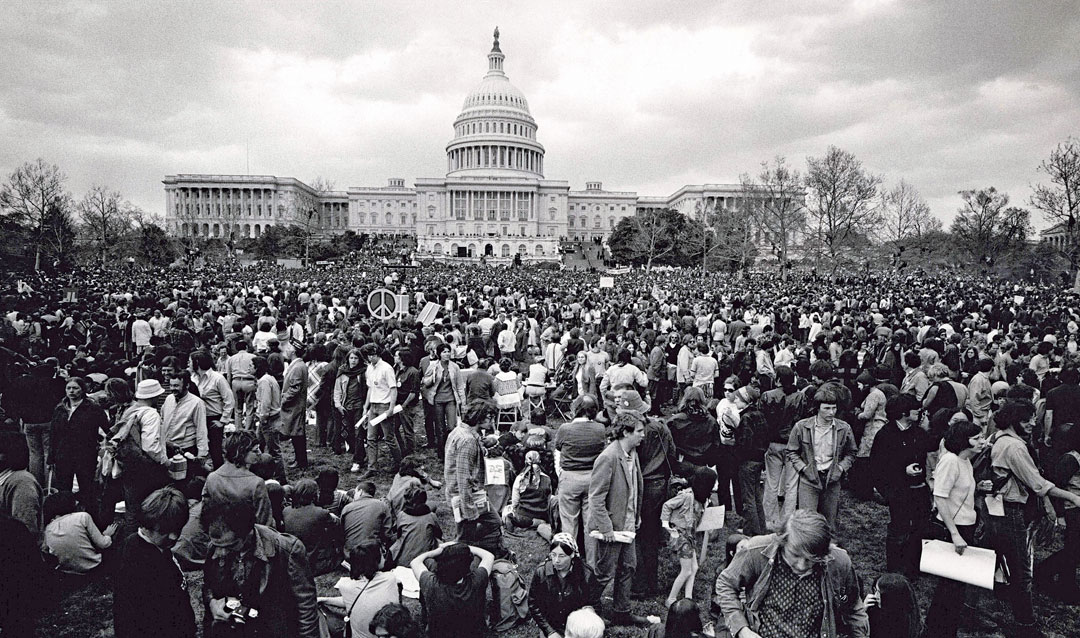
(307, 237)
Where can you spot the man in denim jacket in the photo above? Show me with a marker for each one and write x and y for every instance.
(796, 583)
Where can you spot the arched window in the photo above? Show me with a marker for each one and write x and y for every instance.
(506, 250)
(217, 230)
(539, 249)
(247, 230)
(183, 229)
(403, 219)
(258, 230)
(205, 230)
(374, 218)
(389, 219)
(437, 249)
(596, 221)
(571, 220)
(523, 249)
(453, 250)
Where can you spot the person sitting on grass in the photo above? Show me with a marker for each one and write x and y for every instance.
(680, 515)
(561, 583)
(452, 598)
(395, 621)
(365, 591)
(316, 527)
(410, 474)
(417, 529)
(531, 500)
(683, 621)
(72, 536)
(149, 598)
(330, 497)
(584, 623)
(893, 609)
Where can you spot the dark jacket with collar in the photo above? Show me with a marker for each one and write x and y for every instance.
(551, 599)
(800, 451)
(281, 584)
(746, 578)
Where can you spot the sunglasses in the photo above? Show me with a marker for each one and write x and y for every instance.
(728, 389)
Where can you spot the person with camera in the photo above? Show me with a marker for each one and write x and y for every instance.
(898, 459)
(256, 581)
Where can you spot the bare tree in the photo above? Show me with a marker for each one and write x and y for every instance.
(905, 214)
(987, 227)
(34, 197)
(774, 200)
(102, 215)
(654, 235)
(843, 201)
(1059, 201)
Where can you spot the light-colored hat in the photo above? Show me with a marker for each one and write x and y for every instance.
(148, 389)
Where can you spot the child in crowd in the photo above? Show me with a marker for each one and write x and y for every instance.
(681, 515)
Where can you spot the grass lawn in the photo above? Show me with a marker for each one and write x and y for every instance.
(83, 609)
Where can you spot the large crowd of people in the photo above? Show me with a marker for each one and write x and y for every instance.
(160, 423)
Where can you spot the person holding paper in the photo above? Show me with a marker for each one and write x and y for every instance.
(954, 495)
(680, 516)
(798, 584)
(463, 469)
(615, 489)
(1009, 534)
(898, 459)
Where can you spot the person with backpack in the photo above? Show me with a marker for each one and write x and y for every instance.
(1007, 524)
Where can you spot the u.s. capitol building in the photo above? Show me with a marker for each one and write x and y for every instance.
(494, 199)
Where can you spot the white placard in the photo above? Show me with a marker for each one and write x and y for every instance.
(713, 518)
(974, 567)
(494, 472)
(607, 282)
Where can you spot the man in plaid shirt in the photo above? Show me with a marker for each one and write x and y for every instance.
(464, 467)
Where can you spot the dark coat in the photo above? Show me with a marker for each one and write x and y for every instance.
(294, 399)
(75, 437)
(148, 594)
(551, 599)
(284, 592)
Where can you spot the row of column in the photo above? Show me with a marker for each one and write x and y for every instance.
(474, 197)
(189, 200)
(495, 156)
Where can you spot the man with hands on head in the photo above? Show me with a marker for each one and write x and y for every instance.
(452, 596)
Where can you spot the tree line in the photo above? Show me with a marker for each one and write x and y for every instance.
(46, 227)
(837, 214)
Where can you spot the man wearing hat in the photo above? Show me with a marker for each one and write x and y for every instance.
(452, 597)
(142, 422)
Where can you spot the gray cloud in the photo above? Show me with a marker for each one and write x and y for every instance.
(645, 96)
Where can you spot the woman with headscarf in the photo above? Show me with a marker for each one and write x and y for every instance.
(561, 584)
(530, 498)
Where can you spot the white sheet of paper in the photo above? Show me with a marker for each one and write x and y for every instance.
(410, 587)
(713, 518)
(974, 567)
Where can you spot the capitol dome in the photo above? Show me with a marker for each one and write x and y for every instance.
(495, 135)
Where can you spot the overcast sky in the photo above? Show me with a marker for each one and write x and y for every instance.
(644, 96)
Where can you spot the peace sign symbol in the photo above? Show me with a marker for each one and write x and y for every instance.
(382, 303)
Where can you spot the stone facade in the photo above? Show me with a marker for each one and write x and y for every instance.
(494, 200)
